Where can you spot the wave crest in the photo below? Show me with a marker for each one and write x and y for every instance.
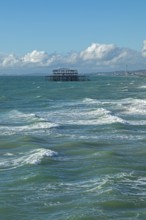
(33, 157)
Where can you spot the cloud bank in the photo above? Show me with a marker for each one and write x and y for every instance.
(97, 57)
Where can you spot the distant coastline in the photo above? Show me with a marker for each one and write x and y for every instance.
(122, 73)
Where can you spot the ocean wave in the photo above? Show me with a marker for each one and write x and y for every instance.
(16, 122)
(106, 119)
(123, 107)
(104, 184)
(83, 116)
(33, 157)
(133, 106)
(86, 112)
(97, 112)
(124, 182)
(128, 106)
(15, 116)
(33, 128)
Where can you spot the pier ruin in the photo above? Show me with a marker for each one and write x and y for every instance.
(65, 74)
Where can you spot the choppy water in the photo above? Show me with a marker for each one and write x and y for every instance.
(73, 150)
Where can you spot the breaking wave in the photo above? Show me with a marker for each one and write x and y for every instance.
(33, 157)
(16, 122)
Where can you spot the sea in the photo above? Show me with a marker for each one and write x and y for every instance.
(73, 150)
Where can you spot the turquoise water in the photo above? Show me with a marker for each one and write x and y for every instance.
(73, 150)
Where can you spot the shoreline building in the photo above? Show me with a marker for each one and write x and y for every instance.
(65, 74)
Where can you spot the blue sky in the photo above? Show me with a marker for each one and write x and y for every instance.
(46, 33)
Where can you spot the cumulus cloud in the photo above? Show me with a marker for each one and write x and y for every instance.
(95, 57)
(107, 54)
(35, 57)
(9, 61)
(97, 51)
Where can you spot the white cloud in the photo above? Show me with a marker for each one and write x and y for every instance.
(96, 57)
(9, 61)
(35, 57)
(97, 51)
(107, 54)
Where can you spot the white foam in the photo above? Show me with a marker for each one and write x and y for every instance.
(97, 116)
(37, 127)
(15, 122)
(88, 112)
(103, 116)
(17, 114)
(128, 106)
(8, 154)
(142, 87)
(17, 117)
(90, 101)
(134, 106)
(36, 156)
(11, 161)
(138, 122)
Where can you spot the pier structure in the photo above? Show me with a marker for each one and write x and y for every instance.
(65, 74)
